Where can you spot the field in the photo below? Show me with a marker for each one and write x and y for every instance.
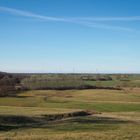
(45, 114)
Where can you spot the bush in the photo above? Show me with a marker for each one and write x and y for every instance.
(7, 91)
(56, 82)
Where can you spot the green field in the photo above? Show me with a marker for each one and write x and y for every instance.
(116, 117)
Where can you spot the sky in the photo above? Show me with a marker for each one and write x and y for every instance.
(66, 36)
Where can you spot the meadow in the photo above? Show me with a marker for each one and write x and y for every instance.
(43, 115)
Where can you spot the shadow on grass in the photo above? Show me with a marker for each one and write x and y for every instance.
(10, 122)
(99, 120)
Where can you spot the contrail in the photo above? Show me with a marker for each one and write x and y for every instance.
(131, 18)
(28, 14)
(104, 26)
(86, 21)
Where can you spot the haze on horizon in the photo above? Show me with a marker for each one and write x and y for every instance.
(89, 36)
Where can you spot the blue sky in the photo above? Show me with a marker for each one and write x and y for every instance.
(70, 36)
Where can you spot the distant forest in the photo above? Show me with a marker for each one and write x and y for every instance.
(11, 84)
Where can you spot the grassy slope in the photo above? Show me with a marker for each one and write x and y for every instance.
(113, 104)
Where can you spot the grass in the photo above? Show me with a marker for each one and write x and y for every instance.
(119, 120)
(85, 132)
(32, 111)
(116, 83)
(100, 100)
